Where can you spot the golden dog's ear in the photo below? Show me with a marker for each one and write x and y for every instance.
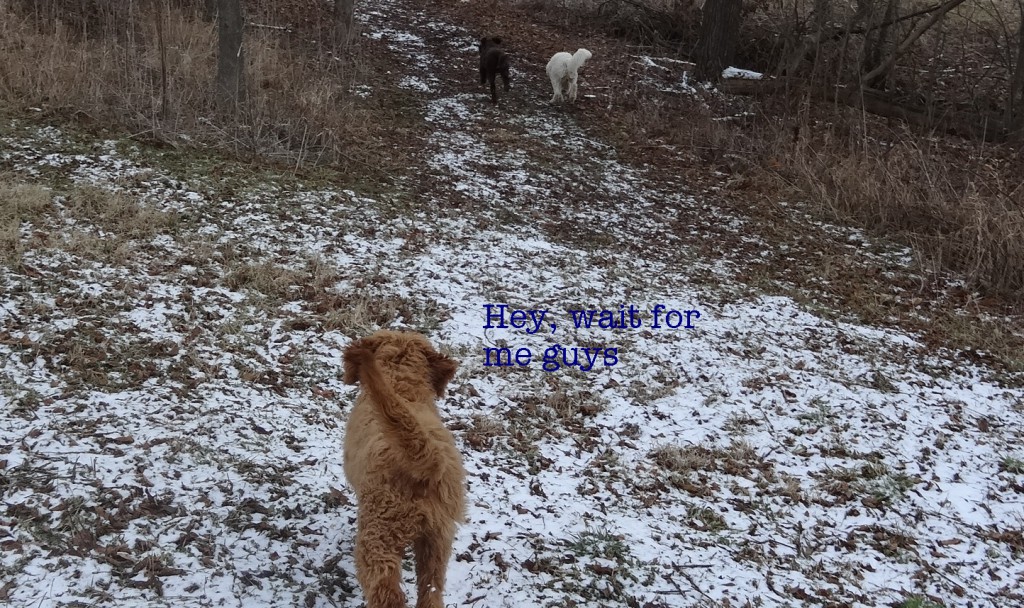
(354, 356)
(442, 369)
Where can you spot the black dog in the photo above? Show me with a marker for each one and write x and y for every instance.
(493, 61)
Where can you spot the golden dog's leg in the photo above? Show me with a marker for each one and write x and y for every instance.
(433, 550)
(380, 544)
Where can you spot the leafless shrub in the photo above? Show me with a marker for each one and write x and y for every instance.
(299, 108)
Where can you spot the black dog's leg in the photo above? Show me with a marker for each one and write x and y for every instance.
(494, 90)
(504, 77)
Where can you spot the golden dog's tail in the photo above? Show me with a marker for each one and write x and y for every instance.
(403, 431)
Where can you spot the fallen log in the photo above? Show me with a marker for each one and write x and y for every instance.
(980, 126)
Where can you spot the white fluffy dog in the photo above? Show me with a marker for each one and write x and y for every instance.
(563, 70)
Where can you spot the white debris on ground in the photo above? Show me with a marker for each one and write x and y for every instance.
(732, 72)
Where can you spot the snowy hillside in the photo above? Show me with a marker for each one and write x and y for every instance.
(172, 409)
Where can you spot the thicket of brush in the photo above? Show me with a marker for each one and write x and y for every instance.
(150, 66)
(957, 199)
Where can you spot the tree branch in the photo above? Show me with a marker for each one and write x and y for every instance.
(895, 20)
(904, 46)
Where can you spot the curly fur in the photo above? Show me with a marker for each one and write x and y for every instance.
(493, 61)
(403, 465)
(563, 70)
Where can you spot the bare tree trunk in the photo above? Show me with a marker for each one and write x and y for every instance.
(876, 44)
(209, 12)
(822, 23)
(793, 49)
(807, 48)
(343, 21)
(847, 55)
(230, 59)
(158, 16)
(716, 46)
(1014, 116)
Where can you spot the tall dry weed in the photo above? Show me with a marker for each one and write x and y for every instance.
(956, 202)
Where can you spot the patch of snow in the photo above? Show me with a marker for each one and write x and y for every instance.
(415, 84)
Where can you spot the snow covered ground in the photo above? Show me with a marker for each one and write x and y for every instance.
(172, 406)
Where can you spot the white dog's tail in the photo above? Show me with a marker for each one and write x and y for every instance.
(578, 59)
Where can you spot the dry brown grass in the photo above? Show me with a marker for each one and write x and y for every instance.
(483, 432)
(684, 459)
(110, 226)
(266, 278)
(361, 314)
(116, 212)
(299, 108)
(19, 203)
(44, 67)
(960, 207)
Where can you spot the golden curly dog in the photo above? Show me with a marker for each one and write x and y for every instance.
(403, 465)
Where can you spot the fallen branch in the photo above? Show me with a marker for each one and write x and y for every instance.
(904, 46)
(964, 124)
(268, 27)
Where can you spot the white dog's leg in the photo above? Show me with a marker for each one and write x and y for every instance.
(572, 88)
(556, 84)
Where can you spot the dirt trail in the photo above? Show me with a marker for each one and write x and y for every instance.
(525, 161)
(535, 167)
